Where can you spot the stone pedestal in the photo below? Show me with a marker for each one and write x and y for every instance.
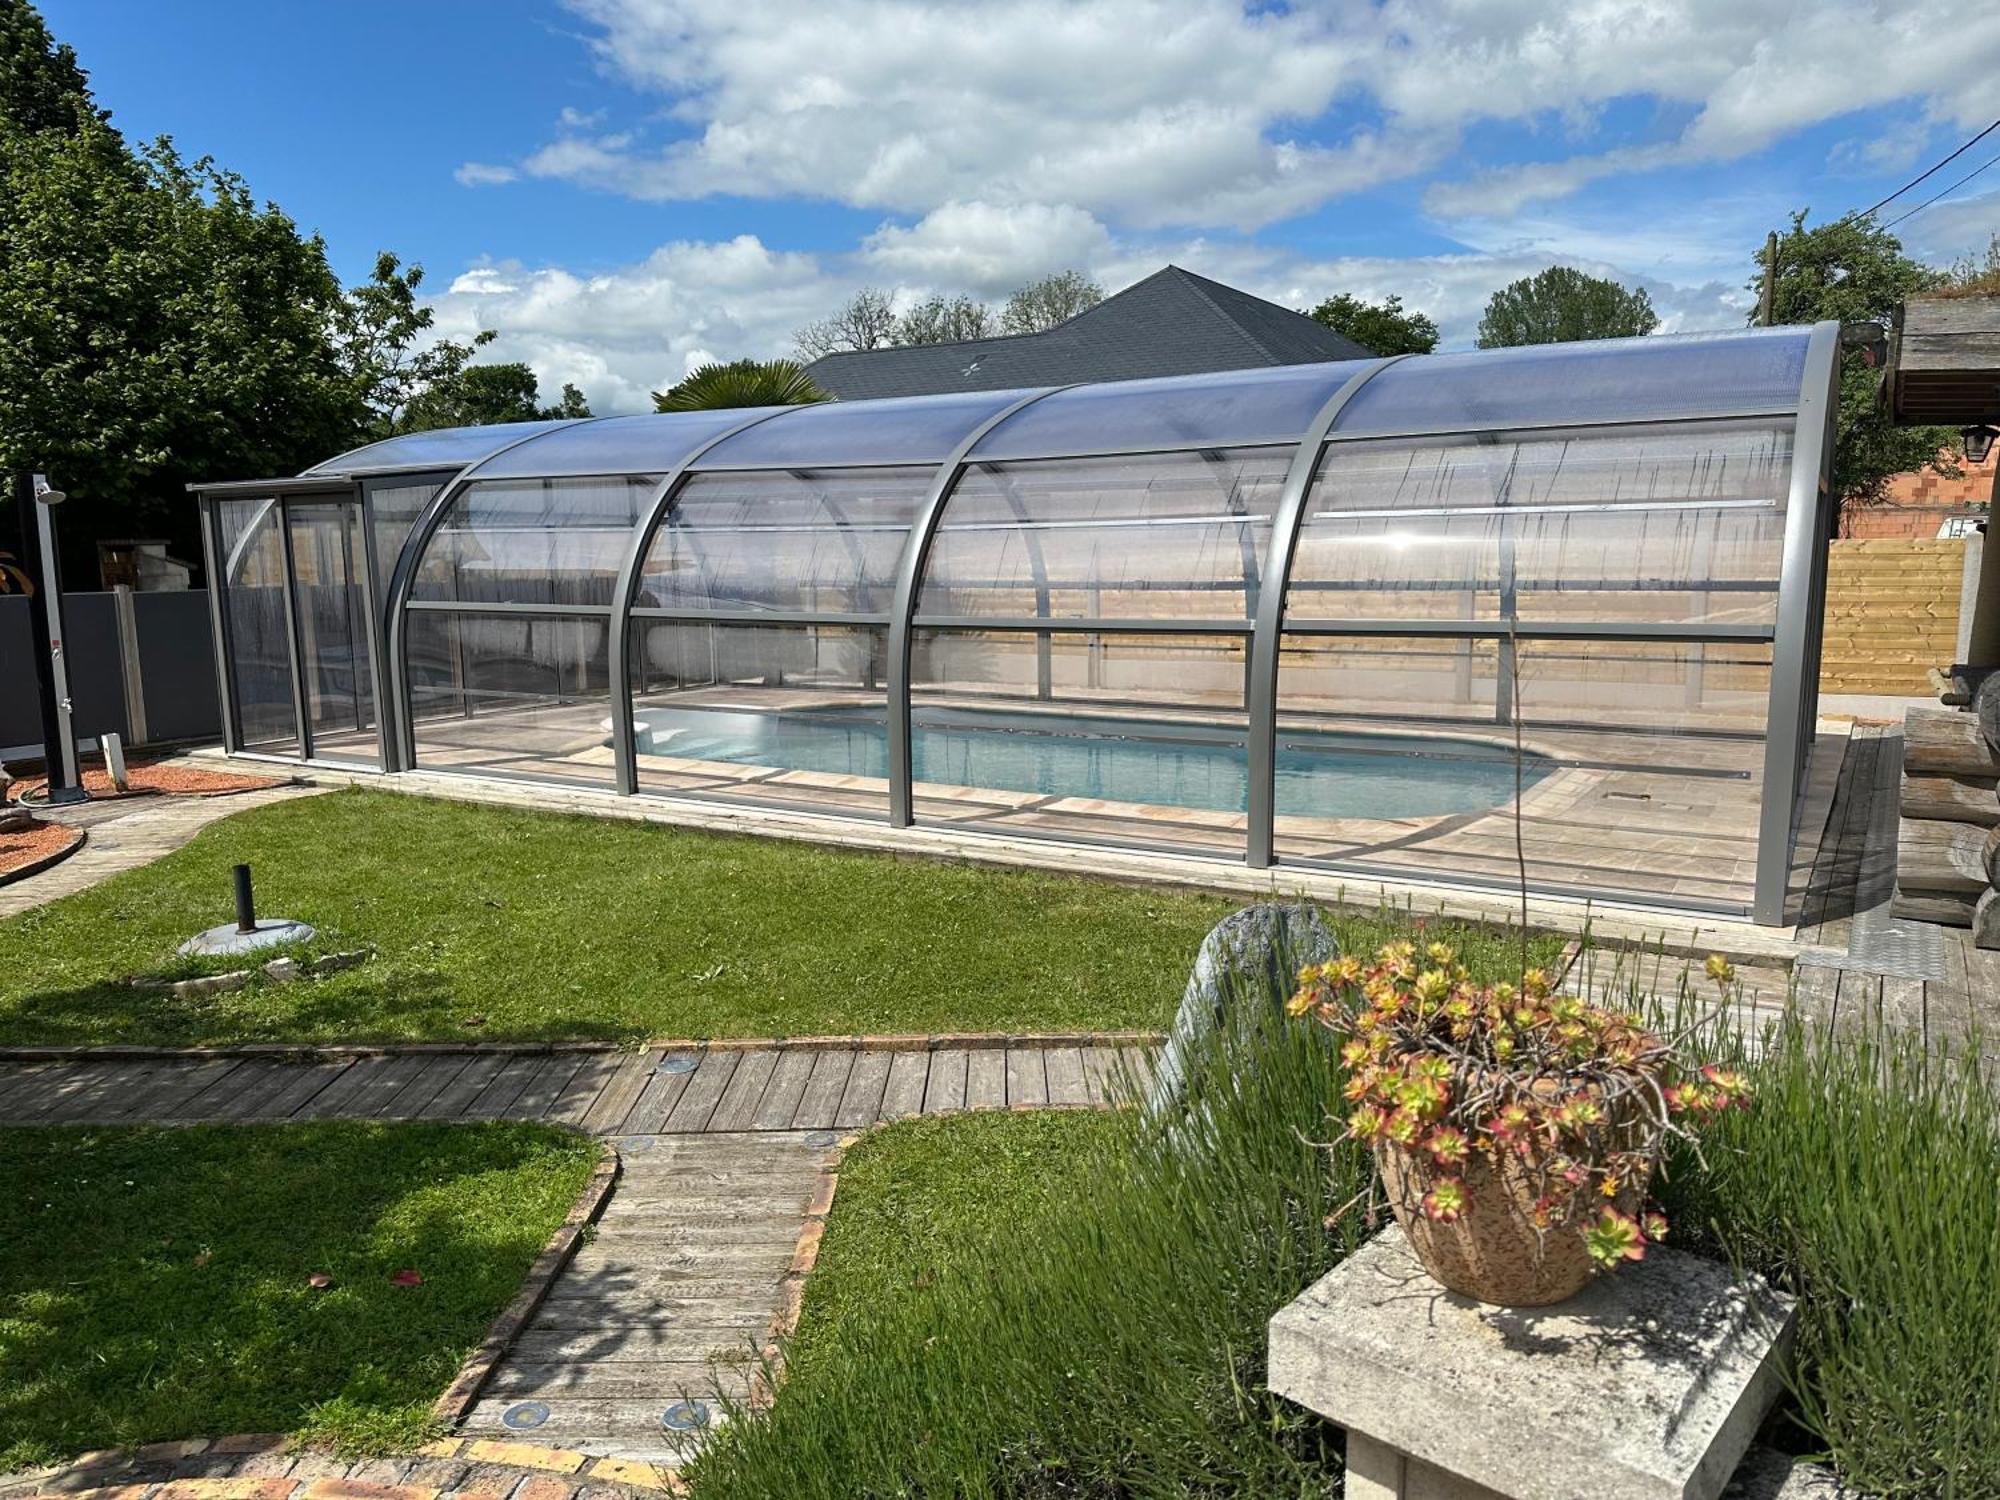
(1649, 1384)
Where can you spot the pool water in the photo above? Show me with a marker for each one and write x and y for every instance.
(1118, 760)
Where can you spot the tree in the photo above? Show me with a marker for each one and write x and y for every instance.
(1854, 271)
(868, 321)
(1563, 304)
(476, 395)
(41, 86)
(1042, 304)
(944, 320)
(742, 382)
(156, 325)
(1379, 327)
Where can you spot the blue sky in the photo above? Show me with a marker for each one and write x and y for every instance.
(624, 188)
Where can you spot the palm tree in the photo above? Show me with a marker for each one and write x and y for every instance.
(742, 382)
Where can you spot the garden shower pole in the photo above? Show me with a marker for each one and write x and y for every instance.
(33, 498)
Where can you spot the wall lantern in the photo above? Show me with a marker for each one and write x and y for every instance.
(1979, 441)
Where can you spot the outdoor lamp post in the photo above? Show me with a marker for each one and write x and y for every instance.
(35, 499)
(1978, 441)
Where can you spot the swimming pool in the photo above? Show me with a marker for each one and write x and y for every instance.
(1152, 762)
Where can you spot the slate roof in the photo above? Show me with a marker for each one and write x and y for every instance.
(1172, 323)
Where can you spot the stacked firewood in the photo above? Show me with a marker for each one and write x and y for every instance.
(1948, 843)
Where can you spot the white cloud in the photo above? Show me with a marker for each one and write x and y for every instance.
(1154, 113)
(484, 174)
(987, 249)
(624, 333)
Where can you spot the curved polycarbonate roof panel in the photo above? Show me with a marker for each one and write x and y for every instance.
(906, 430)
(441, 448)
(1235, 408)
(1619, 380)
(651, 444)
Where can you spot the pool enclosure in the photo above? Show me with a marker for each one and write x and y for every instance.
(1376, 617)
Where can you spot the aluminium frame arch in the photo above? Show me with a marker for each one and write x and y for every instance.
(1792, 637)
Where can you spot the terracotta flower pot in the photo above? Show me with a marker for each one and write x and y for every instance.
(1493, 1252)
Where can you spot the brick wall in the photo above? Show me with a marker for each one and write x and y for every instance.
(1891, 614)
(1918, 503)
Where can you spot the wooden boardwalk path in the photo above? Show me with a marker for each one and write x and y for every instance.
(726, 1155)
(659, 1091)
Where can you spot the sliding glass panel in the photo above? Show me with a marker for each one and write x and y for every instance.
(1120, 739)
(825, 540)
(535, 541)
(520, 695)
(253, 606)
(783, 715)
(329, 571)
(1665, 376)
(1640, 762)
(393, 510)
(1680, 525)
(1178, 536)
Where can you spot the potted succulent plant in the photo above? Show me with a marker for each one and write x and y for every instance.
(1516, 1131)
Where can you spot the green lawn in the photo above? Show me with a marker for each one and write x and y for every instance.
(507, 924)
(154, 1283)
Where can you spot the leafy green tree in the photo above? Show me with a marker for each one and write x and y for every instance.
(1042, 304)
(1563, 304)
(742, 382)
(156, 325)
(41, 85)
(480, 394)
(1854, 271)
(1379, 327)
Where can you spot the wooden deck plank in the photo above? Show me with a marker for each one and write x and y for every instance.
(30, 1087)
(738, 1107)
(547, 1085)
(1100, 1073)
(662, 1092)
(610, 1110)
(335, 1099)
(861, 1101)
(96, 1091)
(387, 1077)
(903, 1094)
(1027, 1077)
(786, 1088)
(496, 1100)
(415, 1096)
(944, 1087)
(1065, 1074)
(706, 1086)
(307, 1081)
(450, 1101)
(821, 1100)
(985, 1078)
(580, 1095)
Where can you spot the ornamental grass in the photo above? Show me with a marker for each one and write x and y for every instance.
(1097, 1330)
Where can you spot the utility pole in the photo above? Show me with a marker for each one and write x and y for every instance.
(32, 498)
(1767, 302)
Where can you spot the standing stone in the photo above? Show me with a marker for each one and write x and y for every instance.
(1252, 956)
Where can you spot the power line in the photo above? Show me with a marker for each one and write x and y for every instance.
(1945, 194)
(1947, 161)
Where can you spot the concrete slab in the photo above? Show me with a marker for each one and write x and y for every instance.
(1649, 1384)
